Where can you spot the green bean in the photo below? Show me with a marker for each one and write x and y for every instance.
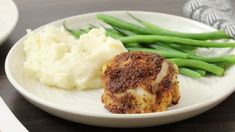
(184, 49)
(200, 36)
(133, 45)
(113, 30)
(176, 40)
(75, 33)
(118, 33)
(191, 52)
(189, 72)
(113, 34)
(169, 49)
(113, 21)
(143, 30)
(164, 53)
(202, 72)
(167, 46)
(176, 46)
(160, 47)
(78, 33)
(221, 59)
(123, 32)
(223, 65)
(187, 49)
(199, 65)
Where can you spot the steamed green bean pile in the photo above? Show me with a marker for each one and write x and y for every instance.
(177, 47)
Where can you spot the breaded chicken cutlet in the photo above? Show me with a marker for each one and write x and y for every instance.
(139, 82)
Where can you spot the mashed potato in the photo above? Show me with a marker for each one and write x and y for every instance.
(58, 59)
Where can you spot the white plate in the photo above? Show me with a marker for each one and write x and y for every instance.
(8, 18)
(198, 95)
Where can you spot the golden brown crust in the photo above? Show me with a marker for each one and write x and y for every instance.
(175, 93)
(132, 69)
(120, 104)
(131, 83)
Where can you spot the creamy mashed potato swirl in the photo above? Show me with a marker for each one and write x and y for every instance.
(58, 59)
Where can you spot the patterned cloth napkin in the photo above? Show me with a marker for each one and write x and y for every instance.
(216, 13)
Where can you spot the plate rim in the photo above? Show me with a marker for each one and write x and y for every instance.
(53, 106)
(6, 33)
